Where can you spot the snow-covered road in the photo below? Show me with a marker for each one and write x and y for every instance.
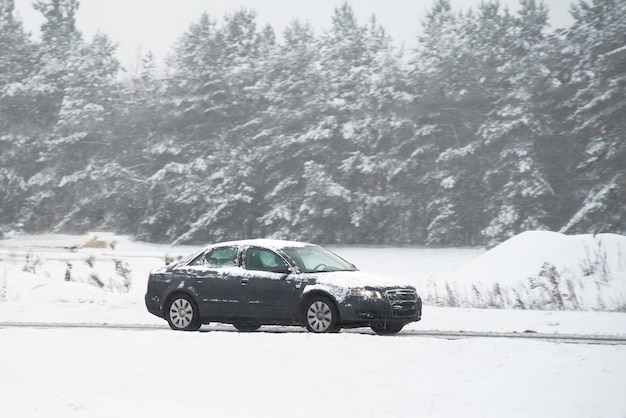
(531, 335)
(160, 373)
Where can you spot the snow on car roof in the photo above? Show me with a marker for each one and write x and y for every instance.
(264, 242)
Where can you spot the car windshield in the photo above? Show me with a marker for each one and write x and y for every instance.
(311, 259)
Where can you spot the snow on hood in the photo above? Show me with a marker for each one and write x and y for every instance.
(338, 283)
(354, 279)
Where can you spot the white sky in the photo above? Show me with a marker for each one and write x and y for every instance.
(154, 25)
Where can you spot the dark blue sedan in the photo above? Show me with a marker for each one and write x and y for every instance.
(251, 283)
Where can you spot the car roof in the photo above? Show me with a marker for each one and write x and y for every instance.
(264, 242)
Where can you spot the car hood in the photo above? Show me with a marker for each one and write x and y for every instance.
(353, 279)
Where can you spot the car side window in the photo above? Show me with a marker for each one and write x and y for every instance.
(221, 257)
(197, 261)
(261, 259)
(217, 257)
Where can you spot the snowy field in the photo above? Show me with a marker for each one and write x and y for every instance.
(161, 373)
(88, 372)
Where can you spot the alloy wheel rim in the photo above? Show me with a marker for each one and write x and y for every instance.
(319, 316)
(181, 313)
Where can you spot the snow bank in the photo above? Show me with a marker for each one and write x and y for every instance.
(541, 270)
(93, 268)
(24, 286)
(523, 255)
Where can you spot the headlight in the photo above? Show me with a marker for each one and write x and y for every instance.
(366, 293)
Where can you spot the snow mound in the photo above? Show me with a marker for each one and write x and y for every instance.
(37, 289)
(523, 256)
(541, 270)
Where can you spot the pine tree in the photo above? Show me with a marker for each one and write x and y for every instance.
(213, 88)
(291, 85)
(59, 38)
(352, 135)
(376, 130)
(17, 63)
(73, 182)
(596, 48)
(519, 191)
(17, 51)
(323, 214)
(450, 75)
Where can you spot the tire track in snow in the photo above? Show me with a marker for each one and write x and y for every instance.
(451, 335)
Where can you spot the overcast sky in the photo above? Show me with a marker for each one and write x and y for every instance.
(154, 25)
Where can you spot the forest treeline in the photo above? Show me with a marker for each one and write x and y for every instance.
(492, 125)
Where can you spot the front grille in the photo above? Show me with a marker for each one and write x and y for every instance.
(401, 295)
(403, 302)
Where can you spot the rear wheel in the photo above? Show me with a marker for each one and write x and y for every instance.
(182, 314)
(389, 328)
(320, 315)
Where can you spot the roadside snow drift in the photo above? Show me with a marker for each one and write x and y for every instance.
(541, 270)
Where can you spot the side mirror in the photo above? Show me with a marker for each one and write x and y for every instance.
(281, 269)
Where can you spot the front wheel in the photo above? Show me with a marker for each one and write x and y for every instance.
(182, 314)
(320, 315)
(387, 328)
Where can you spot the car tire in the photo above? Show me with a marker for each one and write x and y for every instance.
(182, 313)
(247, 326)
(321, 315)
(389, 328)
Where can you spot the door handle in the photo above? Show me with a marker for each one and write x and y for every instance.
(244, 282)
(205, 275)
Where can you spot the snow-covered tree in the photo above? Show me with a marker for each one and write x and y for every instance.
(17, 62)
(356, 127)
(450, 77)
(291, 86)
(324, 212)
(489, 128)
(596, 50)
(519, 191)
(67, 191)
(59, 39)
(17, 51)
(214, 102)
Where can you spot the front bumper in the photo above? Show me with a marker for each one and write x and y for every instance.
(398, 306)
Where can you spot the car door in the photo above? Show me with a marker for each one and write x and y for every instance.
(213, 279)
(267, 291)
